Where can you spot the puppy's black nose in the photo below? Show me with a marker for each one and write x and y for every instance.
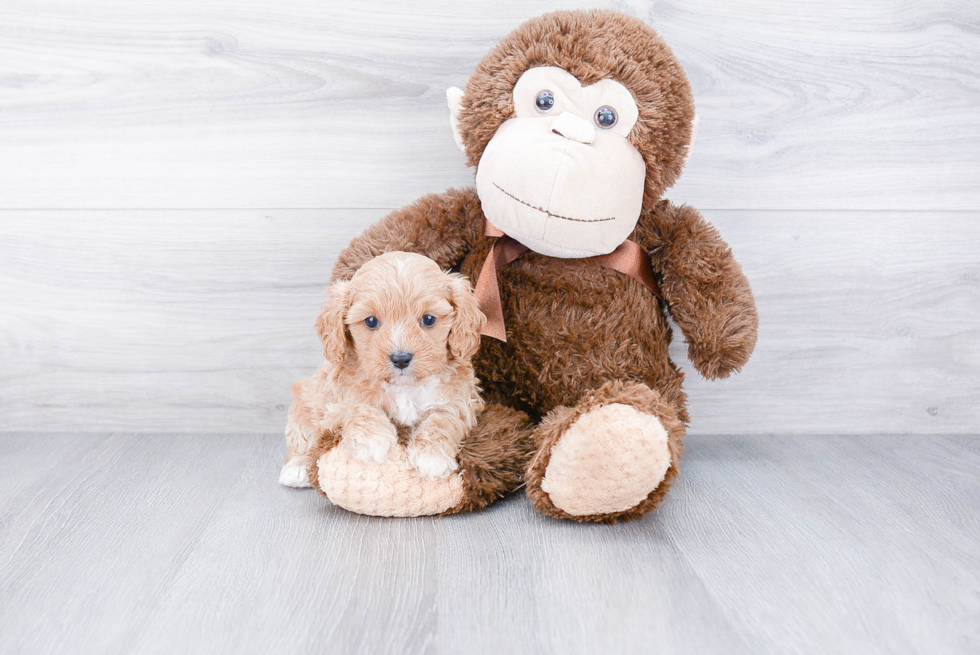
(400, 358)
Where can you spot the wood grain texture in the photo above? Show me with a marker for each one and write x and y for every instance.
(126, 310)
(199, 320)
(93, 533)
(186, 543)
(239, 104)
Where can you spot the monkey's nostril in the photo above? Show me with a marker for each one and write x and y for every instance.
(400, 358)
(572, 127)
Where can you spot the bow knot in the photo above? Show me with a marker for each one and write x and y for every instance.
(628, 258)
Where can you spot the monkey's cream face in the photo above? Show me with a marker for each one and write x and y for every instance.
(561, 176)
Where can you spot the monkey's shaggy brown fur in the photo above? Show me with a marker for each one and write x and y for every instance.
(557, 422)
(494, 456)
(591, 45)
(580, 335)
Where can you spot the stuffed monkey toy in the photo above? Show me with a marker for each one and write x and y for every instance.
(576, 123)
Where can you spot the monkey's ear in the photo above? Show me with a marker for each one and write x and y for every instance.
(330, 324)
(454, 95)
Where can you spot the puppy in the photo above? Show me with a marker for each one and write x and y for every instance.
(397, 340)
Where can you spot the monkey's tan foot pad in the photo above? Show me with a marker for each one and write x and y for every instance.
(609, 460)
(391, 488)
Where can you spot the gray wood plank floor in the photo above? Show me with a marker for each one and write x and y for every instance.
(121, 543)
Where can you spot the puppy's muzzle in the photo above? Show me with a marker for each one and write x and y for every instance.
(401, 359)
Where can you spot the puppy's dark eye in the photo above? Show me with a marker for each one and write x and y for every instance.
(545, 101)
(428, 320)
(372, 322)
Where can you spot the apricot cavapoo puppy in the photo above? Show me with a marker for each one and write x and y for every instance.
(397, 339)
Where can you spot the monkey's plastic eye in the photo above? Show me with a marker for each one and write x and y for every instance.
(545, 101)
(428, 320)
(372, 322)
(605, 117)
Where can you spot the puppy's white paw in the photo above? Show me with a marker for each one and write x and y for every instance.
(433, 463)
(294, 475)
(370, 445)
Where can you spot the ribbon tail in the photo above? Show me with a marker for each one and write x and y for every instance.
(504, 251)
(488, 295)
(629, 258)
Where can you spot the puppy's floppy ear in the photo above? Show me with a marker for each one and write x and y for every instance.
(330, 324)
(464, 335)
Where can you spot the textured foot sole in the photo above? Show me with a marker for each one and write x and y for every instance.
(391, 488)
(608, 461)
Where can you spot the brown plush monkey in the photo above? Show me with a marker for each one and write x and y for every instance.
(577, 122)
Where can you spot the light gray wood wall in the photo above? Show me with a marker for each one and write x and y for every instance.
(176, 179)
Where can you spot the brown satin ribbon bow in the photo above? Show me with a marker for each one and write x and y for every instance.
(628, 258)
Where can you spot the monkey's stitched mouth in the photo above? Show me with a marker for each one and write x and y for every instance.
(545, 211)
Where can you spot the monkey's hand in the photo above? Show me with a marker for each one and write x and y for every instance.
(704, 287)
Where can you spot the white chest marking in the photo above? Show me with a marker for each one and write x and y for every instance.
(409, 402)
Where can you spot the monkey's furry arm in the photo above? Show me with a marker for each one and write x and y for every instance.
(441, 226)
(704, 287)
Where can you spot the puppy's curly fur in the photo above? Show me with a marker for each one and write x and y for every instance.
(399, 305)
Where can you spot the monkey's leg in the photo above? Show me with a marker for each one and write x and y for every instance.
(494, 456)
(610, 458)
(491, 460)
